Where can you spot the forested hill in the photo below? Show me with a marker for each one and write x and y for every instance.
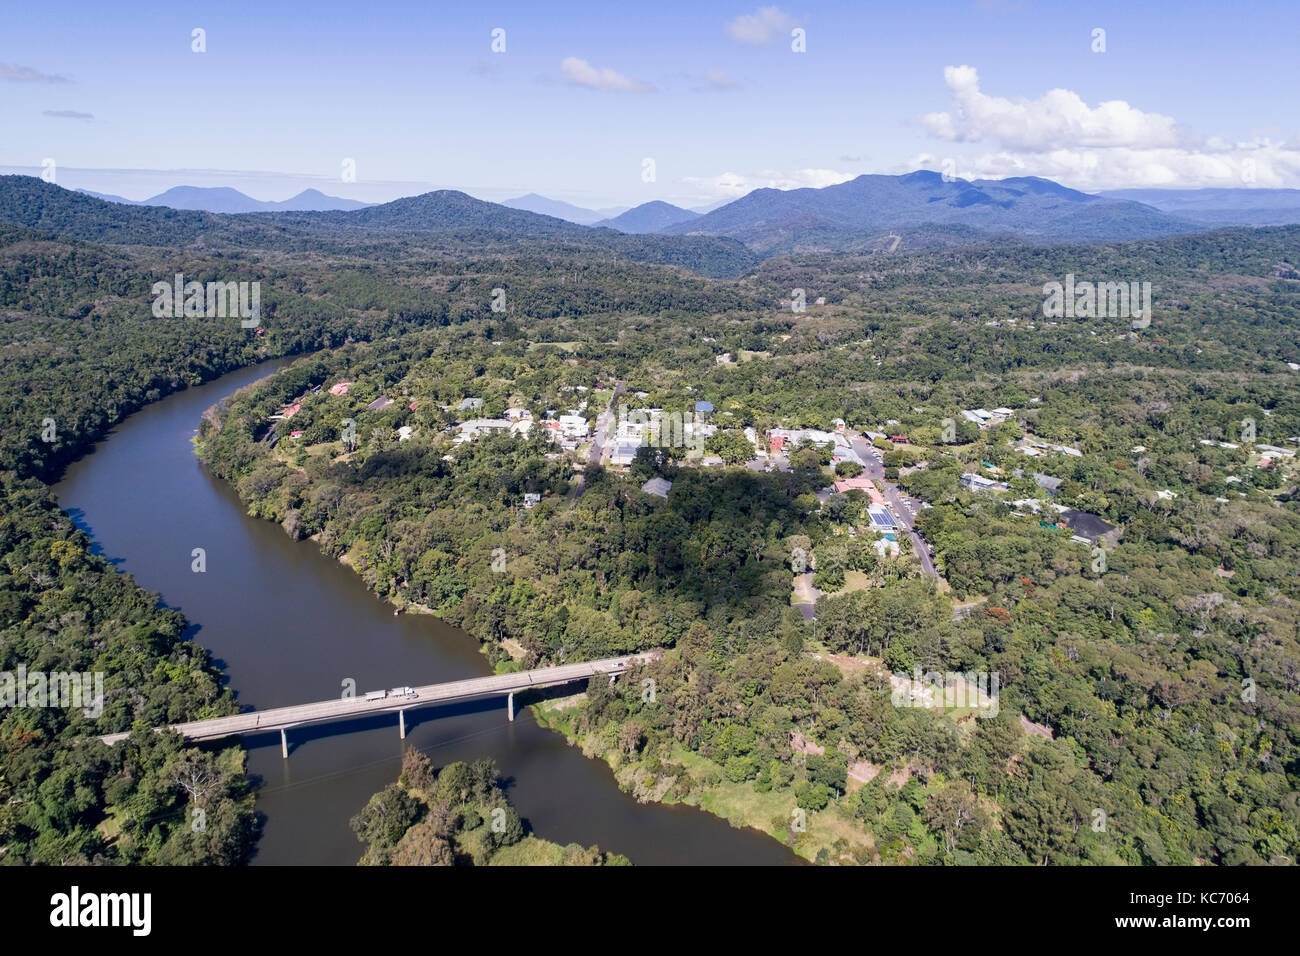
(1124, 685)
(1129, 681)
(444, 220)
(838, 217)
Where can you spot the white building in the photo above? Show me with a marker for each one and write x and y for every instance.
(657, 486)
(573, 426)
(480, 426)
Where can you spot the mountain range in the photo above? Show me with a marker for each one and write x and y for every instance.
(864, 214)
(597, 217)
(562, 210)
(1220, 207)
(650, 217)
(839, 217)
(228, 200)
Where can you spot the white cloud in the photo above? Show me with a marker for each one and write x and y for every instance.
(1058, 119)
(1110, 146)
(581, 73)
(1262, 163)
(738, 184)
(25, 74)
(762, 26)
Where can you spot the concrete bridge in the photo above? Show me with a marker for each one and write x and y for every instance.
(325, 711)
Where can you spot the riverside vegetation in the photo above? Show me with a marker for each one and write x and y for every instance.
(1160, 691)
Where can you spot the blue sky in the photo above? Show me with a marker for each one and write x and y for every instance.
(1200, 94)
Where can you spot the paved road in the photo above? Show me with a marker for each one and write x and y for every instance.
(600, 438)
(902, 511)
(281, 718)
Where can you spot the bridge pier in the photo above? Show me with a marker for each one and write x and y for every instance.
(510, 705)
(401, 723)
(284, 744)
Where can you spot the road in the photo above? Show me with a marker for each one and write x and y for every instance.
(281, 718)
(600, 438)
(604, 428)
(901, 509)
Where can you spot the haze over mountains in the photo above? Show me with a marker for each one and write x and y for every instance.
(909, 211)
(1220, 207)
(562, 210)
(650, 217)
(773, 221)
(227, 200)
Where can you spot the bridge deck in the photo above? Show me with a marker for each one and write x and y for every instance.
(280, 718)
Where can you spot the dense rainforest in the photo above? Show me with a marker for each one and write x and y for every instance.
(1148, 711)
(457, 815)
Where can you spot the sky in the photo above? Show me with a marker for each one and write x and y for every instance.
(604, 104)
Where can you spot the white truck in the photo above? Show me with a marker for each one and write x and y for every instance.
(402, 692)
(376, 695)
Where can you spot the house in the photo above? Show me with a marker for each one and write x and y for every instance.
(404, 433)
(340, 388)
(379, 404)
(532, 499)
(902, 439)
(470, 404)
(624, 453)
(657, 486)
(296, 434)
(704, 408)
(977, 482)
(1048, 483)
(518, 414)
(480, 426)
(1092, 528)
(887, 546)
(881, 519)
(573, 426)
(861, 483)
(1273, 451)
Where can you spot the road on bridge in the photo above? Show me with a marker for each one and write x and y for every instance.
(282, 718)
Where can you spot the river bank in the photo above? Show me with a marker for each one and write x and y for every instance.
(818, 837)
(288, 624)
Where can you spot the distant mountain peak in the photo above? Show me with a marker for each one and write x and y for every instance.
(847, 215)
(650, 216)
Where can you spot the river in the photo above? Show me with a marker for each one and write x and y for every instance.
(289, 625)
